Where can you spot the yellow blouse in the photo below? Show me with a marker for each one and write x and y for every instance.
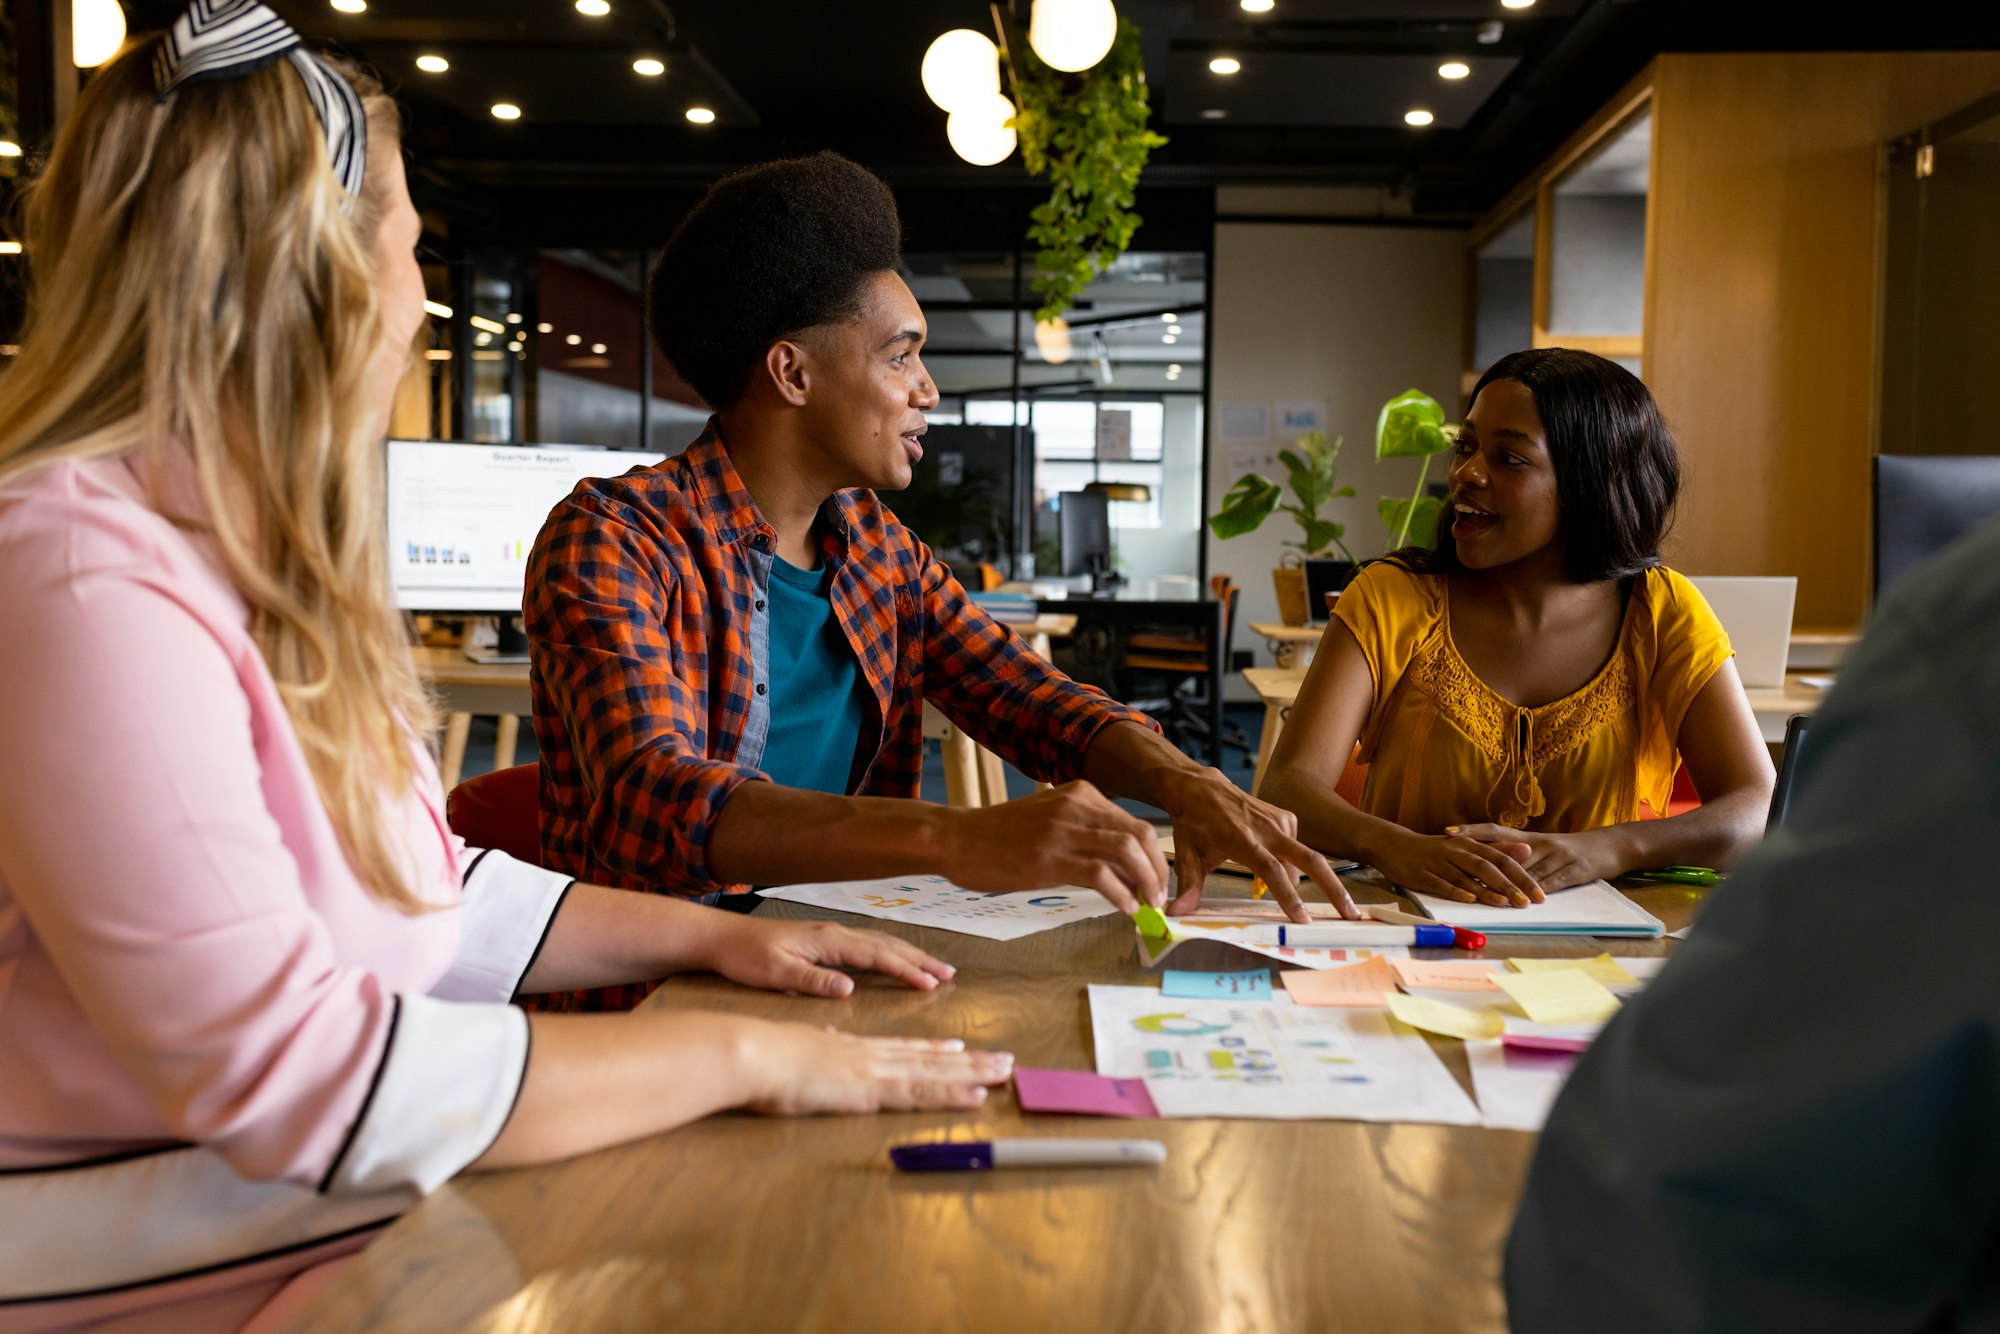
(1444, 748)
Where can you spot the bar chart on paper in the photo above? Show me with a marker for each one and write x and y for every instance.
(933, 901)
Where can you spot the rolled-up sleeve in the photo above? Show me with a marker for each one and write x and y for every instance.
(1004, 695)
(137, 843)
(599, 600)
(504, 919)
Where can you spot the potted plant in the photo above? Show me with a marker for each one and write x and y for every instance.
(1309, 466)
(1412, 426)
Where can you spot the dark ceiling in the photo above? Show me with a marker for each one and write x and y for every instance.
(603, 156)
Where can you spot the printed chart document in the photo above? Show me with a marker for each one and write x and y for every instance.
(1253, 933)
(1272, 1060)
(1595, 909)
(933, 901)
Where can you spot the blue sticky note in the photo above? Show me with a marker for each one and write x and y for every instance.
(1253, 985)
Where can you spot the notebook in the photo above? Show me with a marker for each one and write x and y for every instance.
(1595, 909)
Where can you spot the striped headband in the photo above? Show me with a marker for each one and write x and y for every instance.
(227, 39)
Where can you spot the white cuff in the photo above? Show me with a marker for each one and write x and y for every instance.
(446, 1086)
(503, 920)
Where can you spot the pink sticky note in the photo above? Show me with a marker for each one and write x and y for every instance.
(1541, 1042)
(1081, 1093)
(1439, 975)
(1358, 984)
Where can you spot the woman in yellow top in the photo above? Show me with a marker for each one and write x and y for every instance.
(1520, 690)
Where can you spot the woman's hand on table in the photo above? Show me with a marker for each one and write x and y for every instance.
(810, 1070)
(1556, 861)
(804, 958)
(1463, 868)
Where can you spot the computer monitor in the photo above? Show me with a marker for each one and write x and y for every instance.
(462, 517)
(1924, 503)
(1085, 529)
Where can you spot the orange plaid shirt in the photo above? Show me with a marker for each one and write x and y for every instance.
(646, 623)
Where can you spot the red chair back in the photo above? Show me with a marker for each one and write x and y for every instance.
(501, 810)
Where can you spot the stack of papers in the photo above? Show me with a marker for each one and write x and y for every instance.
(1595, 909)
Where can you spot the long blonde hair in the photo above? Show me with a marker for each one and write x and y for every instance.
(202, 283)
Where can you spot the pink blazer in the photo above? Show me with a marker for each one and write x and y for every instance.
(221, 1059)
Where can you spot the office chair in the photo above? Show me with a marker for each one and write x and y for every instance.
(1788, 769)
(1181, 662)
(502, 810)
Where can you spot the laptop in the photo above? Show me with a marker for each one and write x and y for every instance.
(1756, 610)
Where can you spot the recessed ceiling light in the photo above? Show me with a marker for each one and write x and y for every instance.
(506, 111)
(1515, 4)
(482, 338)
(350, 6)
(513, 317)
(1169, 317)
(545, 327)
(1174, 369)
(649, 67)
(572, 339)
(1224, 65)
(1169, 338)
(701, 115)
(596, 9)
(1418, 117)
(433, 64)
(1175, 329)
(599, 348)
(1214, 113)
(1454, 69)
(1258, 6)
(438, 308)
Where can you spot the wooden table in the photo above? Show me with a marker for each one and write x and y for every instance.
(1278, 687)
(744, 1224)
(1290, 645)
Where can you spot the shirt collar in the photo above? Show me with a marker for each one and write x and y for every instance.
(727, 508)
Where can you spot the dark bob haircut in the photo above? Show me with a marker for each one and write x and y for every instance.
(1617, 469)
(768, 253)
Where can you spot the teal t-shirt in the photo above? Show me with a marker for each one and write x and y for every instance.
(816, 688)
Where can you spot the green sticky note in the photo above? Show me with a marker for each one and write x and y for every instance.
(1149, 921)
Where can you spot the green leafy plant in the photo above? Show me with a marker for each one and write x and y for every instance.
(1412, 426)
(1310, 474)
(1087, 133)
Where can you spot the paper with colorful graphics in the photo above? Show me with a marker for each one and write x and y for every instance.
(1271, 1059)
(933, 901)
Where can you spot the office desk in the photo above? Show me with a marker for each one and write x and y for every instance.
(1278, 687)
(1290, 645)
(743, 1224)
(1103, 625)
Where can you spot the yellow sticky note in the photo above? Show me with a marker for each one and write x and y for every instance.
(1453, 1021)
(1358, 984)
(1604, 968)
(1559, 996)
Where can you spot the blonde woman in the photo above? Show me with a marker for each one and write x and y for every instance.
(255, 995)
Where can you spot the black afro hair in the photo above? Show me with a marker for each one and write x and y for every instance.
(768, 253)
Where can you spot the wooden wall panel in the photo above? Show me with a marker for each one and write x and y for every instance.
(1761, 317)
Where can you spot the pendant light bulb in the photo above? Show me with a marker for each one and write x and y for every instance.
(961, 69)
(1072, 35)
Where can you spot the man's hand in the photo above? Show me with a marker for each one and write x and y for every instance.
(1068, 835)
(804, 958)
(1216, 821)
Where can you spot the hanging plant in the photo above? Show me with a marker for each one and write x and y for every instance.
(1088, 134)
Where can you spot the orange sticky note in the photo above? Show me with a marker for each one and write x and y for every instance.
(1440, 975)
(1358, 984)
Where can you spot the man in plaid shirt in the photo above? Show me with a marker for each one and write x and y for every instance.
(732, 649)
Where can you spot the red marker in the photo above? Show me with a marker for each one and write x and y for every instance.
(1461, 939)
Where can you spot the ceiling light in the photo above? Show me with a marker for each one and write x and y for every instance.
(437, 354)
(491, 326)
(1515, 4)
(1418, 117)
(980, 133)
(350, 6)
(433, 64)
(573, 339)
(961, 68)
(439, 309)
(1052, 340)
(599, 349)
(8, 148)
(1490, 32)
(1257, 6)
(1169, 317)
(513, 317)
(97, 30)
(1214, 113)
(1169, 339)
(1174, 369)
(506, 111)
(545, 327)
(701, 115)
(1454, 69)
(482, 338)
(1224, 65)
(595, 9)
(1175, 330)
(649, 67)
(1072, 35)
(10, 247)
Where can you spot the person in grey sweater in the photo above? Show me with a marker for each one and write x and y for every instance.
(1797, 1127)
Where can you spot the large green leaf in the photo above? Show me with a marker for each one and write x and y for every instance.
(1245, 506)
(1321, 535)
(1423, 519)
(1411, 427)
